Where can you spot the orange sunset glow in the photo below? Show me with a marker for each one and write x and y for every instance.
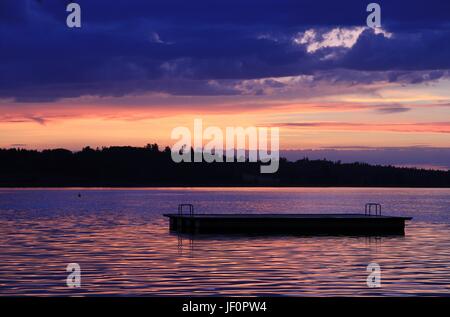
(350, 120)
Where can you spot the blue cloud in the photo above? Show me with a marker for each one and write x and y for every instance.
(178, 46)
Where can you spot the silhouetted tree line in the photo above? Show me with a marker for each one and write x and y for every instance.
(150, 166)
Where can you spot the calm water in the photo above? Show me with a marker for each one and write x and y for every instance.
(123, 245)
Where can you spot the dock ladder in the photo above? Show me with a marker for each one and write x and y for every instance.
(190, 209)
(368, 209)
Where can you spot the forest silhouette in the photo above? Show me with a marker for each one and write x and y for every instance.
(127, 166)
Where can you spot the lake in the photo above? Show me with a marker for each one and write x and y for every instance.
(122, 243)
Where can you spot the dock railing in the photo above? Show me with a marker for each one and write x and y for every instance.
(190, 209)
(368, 209)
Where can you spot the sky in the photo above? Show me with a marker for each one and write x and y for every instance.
(137, 69)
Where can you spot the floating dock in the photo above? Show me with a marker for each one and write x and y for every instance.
(360, 224)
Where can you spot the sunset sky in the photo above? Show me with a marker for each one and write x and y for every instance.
(137, 69)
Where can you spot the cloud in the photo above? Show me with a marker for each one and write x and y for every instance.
(393, 109)
(337, 37)
(197, 49)
(417, 127)
(39, 120)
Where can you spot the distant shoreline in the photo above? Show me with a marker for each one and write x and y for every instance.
(140, 167)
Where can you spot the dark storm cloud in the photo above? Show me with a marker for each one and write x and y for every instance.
(427, 50)
(201, 47)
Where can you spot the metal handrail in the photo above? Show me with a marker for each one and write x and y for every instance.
(368, 209)
(191, 209)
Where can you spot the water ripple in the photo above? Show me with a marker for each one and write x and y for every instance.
(123, 246)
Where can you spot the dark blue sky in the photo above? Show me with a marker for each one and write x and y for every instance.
(153, 45)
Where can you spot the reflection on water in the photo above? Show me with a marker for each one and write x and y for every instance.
(124, 246)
